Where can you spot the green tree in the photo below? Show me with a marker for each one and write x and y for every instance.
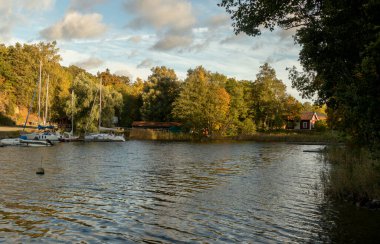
(159, 93)
(202, 104)
(340, 54)
(238, 119)
(86, 105)
(112, 79)
(132, 102)
(269, 95)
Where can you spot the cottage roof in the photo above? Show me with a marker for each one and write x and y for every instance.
(321, 116)
(307, 115)
(151, 124)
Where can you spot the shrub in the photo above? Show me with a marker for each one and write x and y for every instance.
(320, 125)
(248, 127)
(4, 120)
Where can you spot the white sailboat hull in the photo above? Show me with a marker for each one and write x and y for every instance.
(104, 137)
(43, 136)
(10, 142)
(68, 137)
(35, 143)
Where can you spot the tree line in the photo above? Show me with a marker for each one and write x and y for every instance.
(203, 101)
(340, 54)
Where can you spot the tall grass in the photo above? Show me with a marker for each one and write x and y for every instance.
(292, 136)
(9, 134)
(354, 174)
(164, 135)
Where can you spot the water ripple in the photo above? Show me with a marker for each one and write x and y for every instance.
(164, 192)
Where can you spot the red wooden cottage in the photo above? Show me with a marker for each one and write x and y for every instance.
(308, 119)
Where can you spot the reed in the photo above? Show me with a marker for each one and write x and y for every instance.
(312, 137)
(9, 134)
(353, 174)
(163, 135)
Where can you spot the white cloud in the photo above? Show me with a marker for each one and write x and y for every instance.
(169, 42)
(146, 63)
(38, 4)
(124, 72)
(7, 19)
(84, 4)
(135, 39)
(133, 54)
(15, 12)
(89, 63)
(76, 26)
(234, 38)
(286, 33)
(171, 19)
(161, 14)
(218, 20)
(200, 30)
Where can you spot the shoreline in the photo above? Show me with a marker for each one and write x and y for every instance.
(291, 137)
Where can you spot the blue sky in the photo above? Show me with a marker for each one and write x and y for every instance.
(131, 36)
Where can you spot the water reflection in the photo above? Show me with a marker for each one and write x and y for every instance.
(168, 192)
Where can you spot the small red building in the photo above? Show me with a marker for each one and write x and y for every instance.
(308, 119)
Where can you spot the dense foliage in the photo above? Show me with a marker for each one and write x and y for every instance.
(340, 54)
(206, 103)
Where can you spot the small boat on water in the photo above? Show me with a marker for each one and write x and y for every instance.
(68, 137)
(46, 134)
(10, 142)
(35, 143)
(101, 136)
(23, 141)
(42, 136)
(104, 137)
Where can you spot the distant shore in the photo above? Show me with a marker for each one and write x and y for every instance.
(294, 137)
(12, 131)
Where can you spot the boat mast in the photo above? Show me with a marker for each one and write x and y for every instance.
(39, 93)
(46, 102)
(72, 111)
(100, 103)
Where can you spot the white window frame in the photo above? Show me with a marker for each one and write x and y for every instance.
(304, 125)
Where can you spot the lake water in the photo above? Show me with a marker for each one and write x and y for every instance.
(141, 191)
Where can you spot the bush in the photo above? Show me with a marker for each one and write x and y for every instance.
(354, 174)
(4, 120)
(248, 127)
(320, 125)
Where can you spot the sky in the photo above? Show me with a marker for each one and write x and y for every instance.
(129, 37)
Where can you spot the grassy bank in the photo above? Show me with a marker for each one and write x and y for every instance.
(160, 135)
(279, 136)
(312, 137)
(354, 175)
(9, 134)
(12, 131)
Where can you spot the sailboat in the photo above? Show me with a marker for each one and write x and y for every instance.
(69, 136)
(33, 139)
(103, 137)
(47, 134)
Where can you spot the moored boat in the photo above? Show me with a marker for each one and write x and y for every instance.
(104, 137)
(42, 136)
(68, 137)
(35, 143)
(10, 142)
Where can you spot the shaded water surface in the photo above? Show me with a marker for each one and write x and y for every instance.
(172, 192)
